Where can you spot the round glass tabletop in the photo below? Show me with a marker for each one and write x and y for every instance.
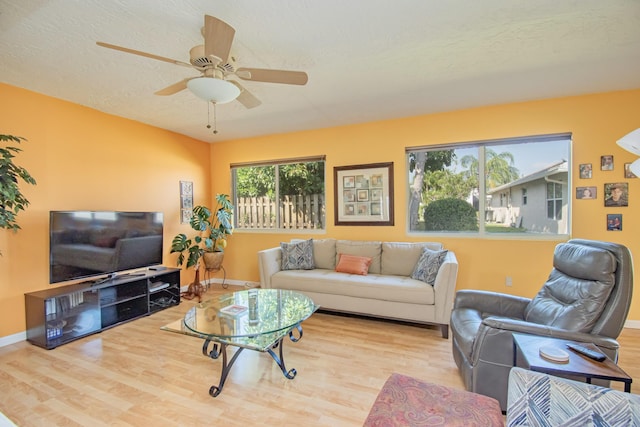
(249, 313)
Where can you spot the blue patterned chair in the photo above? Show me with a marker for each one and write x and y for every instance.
(536, 399)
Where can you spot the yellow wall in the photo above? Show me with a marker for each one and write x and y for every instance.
(84, 159)
(596, 122)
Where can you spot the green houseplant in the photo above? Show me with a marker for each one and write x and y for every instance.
(212, 227)
(12, 200)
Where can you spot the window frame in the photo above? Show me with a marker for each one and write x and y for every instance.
(481, 145)
(278, 218)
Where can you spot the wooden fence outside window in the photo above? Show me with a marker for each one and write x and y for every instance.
(296, 212)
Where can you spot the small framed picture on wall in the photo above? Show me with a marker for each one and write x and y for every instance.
(586, 171)
(186, 201)
(606, 163)
(614, 222)
(586, 193)
(616, 194)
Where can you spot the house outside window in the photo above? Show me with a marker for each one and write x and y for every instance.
(280, 194)
(446, 194)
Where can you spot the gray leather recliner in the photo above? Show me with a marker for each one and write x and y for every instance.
(586, 298)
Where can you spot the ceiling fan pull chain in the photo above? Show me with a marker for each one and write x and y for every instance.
(215, 124)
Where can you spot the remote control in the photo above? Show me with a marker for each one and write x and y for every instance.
(591, 354)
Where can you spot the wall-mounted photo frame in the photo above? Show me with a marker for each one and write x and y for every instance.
(586, 171)
(614, 222)
(363, 194)
(616, 194)
(627, 171)
(586, 193)
(606, 163)
(186, 201)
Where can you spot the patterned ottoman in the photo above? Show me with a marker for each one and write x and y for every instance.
(407, 401)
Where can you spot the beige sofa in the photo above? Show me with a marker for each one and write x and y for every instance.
(387, 291)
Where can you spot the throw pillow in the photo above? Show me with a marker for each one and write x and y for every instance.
(297, 256)
(353, 264)
(428, 265)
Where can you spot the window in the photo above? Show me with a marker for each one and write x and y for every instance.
(554, 200)
(523, 189)
(280, 195)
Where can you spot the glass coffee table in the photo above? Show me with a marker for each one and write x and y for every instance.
(255, 319)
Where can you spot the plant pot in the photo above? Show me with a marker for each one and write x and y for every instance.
(213, 260)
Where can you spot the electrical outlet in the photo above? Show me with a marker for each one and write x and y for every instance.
(508, 281)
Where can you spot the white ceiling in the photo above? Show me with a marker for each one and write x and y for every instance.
(366, 59)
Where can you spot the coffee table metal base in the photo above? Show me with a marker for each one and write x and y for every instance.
(220, 348)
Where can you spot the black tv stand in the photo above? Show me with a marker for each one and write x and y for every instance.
(109, 278)
(66, 313)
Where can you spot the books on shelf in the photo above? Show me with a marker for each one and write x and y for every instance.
(156, 286)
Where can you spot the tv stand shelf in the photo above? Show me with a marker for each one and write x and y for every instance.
(63, 314)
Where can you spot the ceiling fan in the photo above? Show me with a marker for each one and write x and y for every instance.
(216, 66)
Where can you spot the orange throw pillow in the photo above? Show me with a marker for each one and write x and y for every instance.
(353, 264)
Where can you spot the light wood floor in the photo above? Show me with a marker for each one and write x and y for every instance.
(137, 375)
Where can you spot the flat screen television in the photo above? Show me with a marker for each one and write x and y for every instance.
(84, 244)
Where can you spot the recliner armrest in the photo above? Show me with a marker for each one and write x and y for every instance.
(521, 326)
(492, 303)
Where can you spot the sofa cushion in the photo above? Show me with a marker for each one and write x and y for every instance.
(297, 256)
(373, 286)
(400, 258)
(353, 264)
(428, 265)
(370, 249)
(324, 253)
(577, 290)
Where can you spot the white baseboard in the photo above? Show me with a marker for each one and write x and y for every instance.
(632, 324)
(12, 339)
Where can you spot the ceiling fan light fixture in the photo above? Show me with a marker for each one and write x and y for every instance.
(631, 142)
(213, 90)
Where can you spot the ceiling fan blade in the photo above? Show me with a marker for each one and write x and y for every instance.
(218, 36)
(145, 54)
(246, 98)
(174, 88)
(273, 76)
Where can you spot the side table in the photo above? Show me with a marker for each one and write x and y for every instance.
(526, 354)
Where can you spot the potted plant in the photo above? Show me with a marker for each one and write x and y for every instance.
(11, 199)
(212, 227)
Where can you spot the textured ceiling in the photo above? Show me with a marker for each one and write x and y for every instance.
(366, 59)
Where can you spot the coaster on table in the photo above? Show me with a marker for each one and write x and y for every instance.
(553, 354)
